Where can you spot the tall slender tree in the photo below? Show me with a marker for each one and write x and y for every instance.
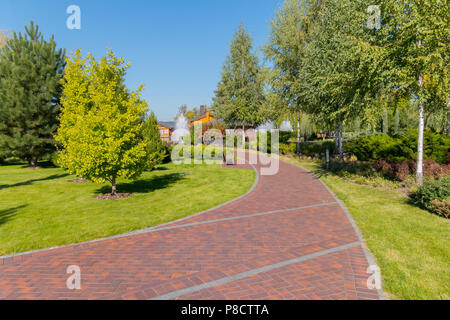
(30, 72)
(416, 37)
(341, 68)
(240, 93)
(290, 32)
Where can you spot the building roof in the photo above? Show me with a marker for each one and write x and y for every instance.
(168, 124)
(201, 116)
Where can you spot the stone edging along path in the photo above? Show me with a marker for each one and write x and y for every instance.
(287, 238)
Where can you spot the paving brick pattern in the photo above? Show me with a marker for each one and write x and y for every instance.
(167, 260)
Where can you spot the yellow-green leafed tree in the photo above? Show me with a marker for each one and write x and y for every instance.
(3, 38)
(101, 133)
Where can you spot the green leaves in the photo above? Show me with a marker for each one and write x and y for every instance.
(102, 131)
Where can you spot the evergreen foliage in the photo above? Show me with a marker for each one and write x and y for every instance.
(30, 72)
(240, 95)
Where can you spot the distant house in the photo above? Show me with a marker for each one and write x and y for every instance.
(204, 118)
(166, 129)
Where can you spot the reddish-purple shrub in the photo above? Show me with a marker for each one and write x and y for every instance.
(385, 167)
(412, 166)
(432, 168)
(402, 171)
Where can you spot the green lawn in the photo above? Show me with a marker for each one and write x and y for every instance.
(41, 209)
(411, 245)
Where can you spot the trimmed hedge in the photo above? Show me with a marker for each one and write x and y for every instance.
(400, 148)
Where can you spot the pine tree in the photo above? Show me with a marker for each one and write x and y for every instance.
(102, 124)
(240, 93)
(30, 90)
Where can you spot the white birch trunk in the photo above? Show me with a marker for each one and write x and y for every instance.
(419, 171)
(341, 148)
(298, 131)
(448, 115)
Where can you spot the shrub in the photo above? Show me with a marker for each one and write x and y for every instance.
(434, 169)
(431, 195)
(386, 168)
(379, 147)
(285, 136)
(343, 169)
(402, 171)
(316, 149)
(287, 149)
(400, 148)
(199, 149)
(441, 208)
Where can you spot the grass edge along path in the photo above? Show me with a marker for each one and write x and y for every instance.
(409, 244)
(40, 209)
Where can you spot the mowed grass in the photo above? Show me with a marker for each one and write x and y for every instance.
(41, 208)
(411, 245)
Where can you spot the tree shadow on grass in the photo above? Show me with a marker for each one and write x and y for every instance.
(40, 165)
(29, 182)
(161, 169)
(144, 185)
(8, 214)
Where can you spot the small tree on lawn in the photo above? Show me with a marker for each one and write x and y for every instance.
(156, 152)
(102, 123)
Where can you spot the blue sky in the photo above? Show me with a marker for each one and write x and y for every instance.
(176, 47)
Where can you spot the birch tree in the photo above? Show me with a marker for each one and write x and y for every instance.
(416, 36)
(290, 32)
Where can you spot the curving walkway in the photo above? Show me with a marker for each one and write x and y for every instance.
(288, 238)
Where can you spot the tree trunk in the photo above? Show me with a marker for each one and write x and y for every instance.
(448, 115)
(336, 140)
(419, 172)
(33, 162)
(298, 131)
(448, 123)
(243, 135)
(341, 147)
(114, 186)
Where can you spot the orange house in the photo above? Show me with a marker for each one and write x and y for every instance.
(166, 129)
(205, 117)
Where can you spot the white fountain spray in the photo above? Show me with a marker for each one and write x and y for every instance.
(267, 126)
(286, 126)
(181, 130)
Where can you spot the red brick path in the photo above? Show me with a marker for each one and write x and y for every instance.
(174, 260)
